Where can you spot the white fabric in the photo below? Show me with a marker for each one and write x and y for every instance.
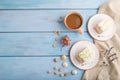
(112, 71)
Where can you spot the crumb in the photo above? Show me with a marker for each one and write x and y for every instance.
(60, 70)
(58, 32)
(55, 73)
(59, 20)
(66, 74)
(55, 68)
(55, 60)
(65, 64)
(74, 72)
(49, 71)
(63, 57)
(56, 38)
(55, 32)
(61, 75)
(54, 45)
(61, 17)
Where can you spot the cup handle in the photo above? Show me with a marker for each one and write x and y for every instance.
(80, 31)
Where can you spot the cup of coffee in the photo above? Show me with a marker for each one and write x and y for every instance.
(74, 21)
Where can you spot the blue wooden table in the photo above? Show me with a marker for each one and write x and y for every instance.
(26, 37)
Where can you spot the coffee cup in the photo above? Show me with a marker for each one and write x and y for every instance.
(74, 21)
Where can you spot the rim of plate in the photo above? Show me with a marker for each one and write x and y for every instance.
(93, 34)
(79, 66)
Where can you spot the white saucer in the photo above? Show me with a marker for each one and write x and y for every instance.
(105, 35)
(77, 47)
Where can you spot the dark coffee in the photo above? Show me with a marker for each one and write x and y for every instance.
(73, 21)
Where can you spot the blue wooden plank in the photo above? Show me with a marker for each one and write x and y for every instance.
(36, 4)
(34, 68)
(36, 44)
(37, 20)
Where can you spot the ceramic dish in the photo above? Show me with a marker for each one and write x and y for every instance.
(77, 47)
(105, 35)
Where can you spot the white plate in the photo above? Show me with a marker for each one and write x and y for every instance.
(77, 47)
(105, 35)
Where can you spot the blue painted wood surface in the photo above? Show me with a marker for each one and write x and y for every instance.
(37, 20)
(36, 44)
(34, 68)
(37, 4)
(26, 37)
